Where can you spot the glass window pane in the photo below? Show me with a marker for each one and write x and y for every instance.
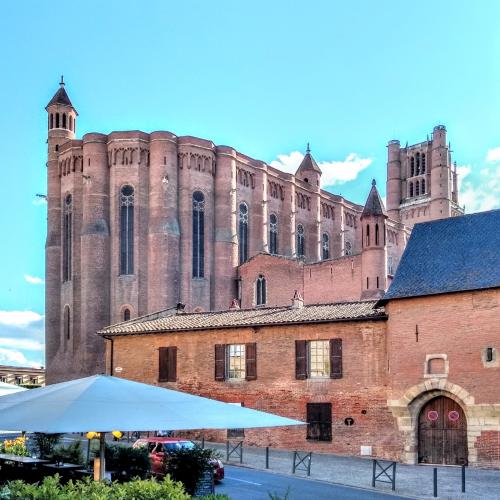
(319, 358)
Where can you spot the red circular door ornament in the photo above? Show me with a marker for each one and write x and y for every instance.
(453, 415)
(432, 415)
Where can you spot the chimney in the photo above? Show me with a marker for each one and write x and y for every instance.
(297, 301)
(235, 304)
(180, 307)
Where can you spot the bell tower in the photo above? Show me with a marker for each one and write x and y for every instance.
(61, 123)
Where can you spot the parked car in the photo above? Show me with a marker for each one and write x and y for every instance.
(157, 446)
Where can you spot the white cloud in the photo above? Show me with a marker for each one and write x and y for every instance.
(19, 318)
(33, 280)
(8, 356)
(39, 200)
(334, 172)
(484, 193)
(25, 344)
(493, 155)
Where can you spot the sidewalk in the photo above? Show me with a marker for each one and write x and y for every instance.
(411, 480)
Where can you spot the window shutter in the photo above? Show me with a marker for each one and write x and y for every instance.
(163, 364)
(335, 358)
(300, 359)
(251, 361)
(220, 362)
(172, 364)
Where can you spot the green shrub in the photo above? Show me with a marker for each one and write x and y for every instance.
(126, 462)
(44, 444)
(188, 465)
(73, 453)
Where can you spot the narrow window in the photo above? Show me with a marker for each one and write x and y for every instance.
(198, 235)
(127, 230)
(377, 282)
(167, 364)
(418, 164)
(368, 235)
(126, 314)
(70, 122)
(273, 234)
(236, 361)
(348, 248)
(411, 189)
(367, 282)
(57, 120)
(376, 235)
(489, 354)
(243, 233)
(51, 120)
(260, 291)
(64, 120)
(67, 323)
(412, 166)
(417, 188)
(423, 163)
(300, 241)
(422, 186)
(319, 358)
(67, 236)
(319, 421)
(326, 246)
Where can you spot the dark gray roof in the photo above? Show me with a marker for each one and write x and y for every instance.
(60, 97)
(450, 255)
(374, 204)
(308, 163)
(262, 316)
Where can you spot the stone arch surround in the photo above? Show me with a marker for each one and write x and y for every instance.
(406, 410)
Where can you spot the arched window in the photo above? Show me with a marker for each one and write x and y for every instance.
(411, 189)
(423, 163)
(67, 323)
(51, 120)
(64, 120)
(418, 163)
(67, 236)
(348, 248)
(260, 291)
(126, 314)
(70, 122)
(198, 235)
(273, 234)
(325, 246)
(417, 188)
(368, 235)
(127, 230)
(422, 186)
(300, 241)
(57, 120)
(376, 235)
(243, 233)
(412, 166)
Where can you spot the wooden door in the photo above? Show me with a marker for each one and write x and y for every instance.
(442, 433)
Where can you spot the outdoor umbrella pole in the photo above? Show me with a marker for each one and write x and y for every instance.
(102, 448)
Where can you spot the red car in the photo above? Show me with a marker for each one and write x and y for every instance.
(158, 445)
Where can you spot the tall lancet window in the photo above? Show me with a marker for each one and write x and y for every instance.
(301, 244)
(198, 234)
(260, 291)
(243, 233)
(67, 236)
(273, 234)
(325, 244)
(127, 230)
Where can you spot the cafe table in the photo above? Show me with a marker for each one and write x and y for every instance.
(7, 457)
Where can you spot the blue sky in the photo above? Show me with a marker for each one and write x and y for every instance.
(264, 77)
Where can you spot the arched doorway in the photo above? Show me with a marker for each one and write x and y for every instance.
(442, 433)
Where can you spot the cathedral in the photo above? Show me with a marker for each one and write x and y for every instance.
(141, 222)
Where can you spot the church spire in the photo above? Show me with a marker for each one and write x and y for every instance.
(374, 204)
(61, 97)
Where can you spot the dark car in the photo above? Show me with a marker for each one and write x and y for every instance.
(157, 446)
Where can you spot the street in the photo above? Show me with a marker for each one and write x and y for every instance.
(249, 484)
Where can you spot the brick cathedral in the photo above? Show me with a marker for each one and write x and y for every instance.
(139, 222)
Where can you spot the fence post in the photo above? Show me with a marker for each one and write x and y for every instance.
(227, 451)
(309, 464)
(203, 442)
(241, 452)
(435, 482)
(267, 457)
(294, 459)
(463, 478)
(393, 476)
(373, 474)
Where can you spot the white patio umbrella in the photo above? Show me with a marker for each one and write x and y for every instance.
(6, 389)
(104, 403)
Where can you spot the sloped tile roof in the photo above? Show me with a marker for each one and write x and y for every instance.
(449, 255)
(318, 313)
(308, 163)
(374, 204)
(60, 97)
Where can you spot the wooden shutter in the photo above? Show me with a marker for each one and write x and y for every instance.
(251, 361)
(335, 358)
(167, 366)
(300, 359)
(220, 362)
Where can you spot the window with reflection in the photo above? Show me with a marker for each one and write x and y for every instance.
(198, 235)
(243, 233)
(127, 230)
(273, 234)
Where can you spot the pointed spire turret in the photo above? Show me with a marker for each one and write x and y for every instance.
(61, 97)
(308, 163)
(374, 204)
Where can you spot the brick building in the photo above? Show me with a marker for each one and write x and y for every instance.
(138, 222)
(412, 377)
(22, 375)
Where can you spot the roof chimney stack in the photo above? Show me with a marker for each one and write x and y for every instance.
(297, 301)
(180, 307)
(235, 304)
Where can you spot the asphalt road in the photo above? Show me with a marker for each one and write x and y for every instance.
(248, 484)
